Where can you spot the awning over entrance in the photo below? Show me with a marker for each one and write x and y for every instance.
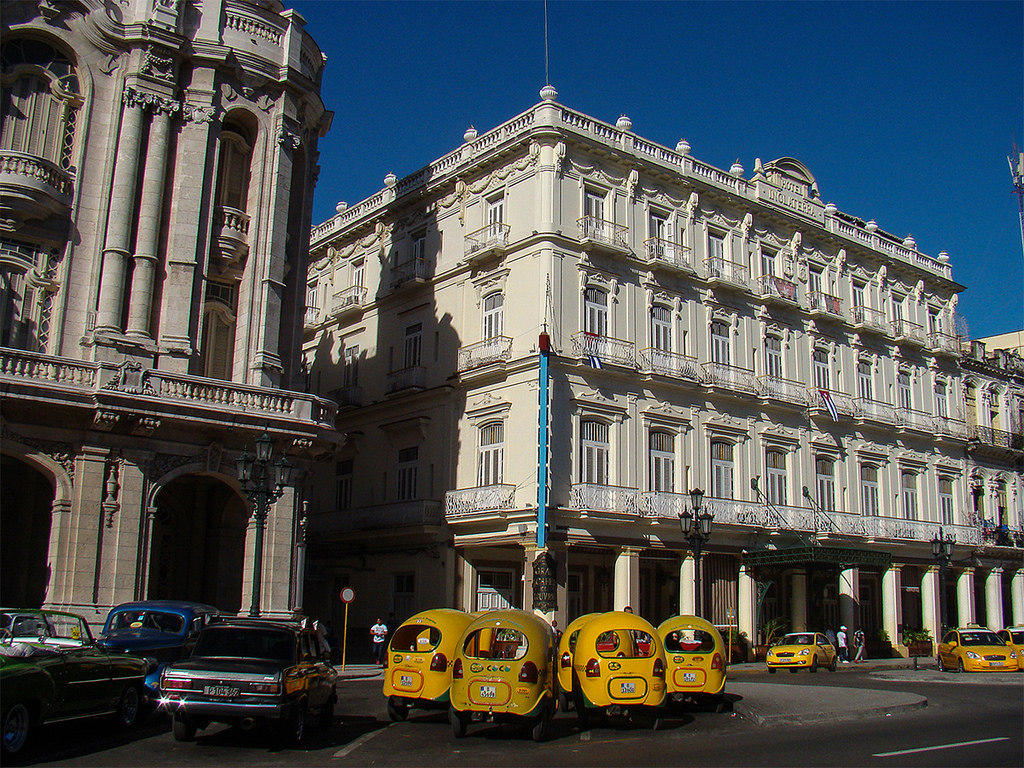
(848, 556)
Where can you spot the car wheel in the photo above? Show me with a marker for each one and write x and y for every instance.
(293, 727)
(458, 723)
(814, 664)
(17, 724)
(326, 719)
(960, 666)
(183, 728)
(832, 665)
(128, 707)
(939, 664)
(397, 709)
(564, 701)
(721, 703)
(655, 719)
(540, 725)
(793, 670)
(772, 670)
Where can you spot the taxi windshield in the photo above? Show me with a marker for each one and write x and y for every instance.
(625, 643)
(798, 639)
(980, 638)
(496, 643)
(416, 638)
(1017, 636)
(158, 620)
(689, 641)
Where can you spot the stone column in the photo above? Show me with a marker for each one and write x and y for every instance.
(746, 613)
(798, 600)
(849, 599)
(931, 613)
(966, 613)
(994, 599)
(150, 207)
(687, 586)
(120, 214)
(468, 586)
(892, 602)
(1017, 597)
(627, 579)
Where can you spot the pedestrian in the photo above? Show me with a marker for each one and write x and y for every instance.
(844, 650)
(379, 634)
(558, 632)
(831, 635)
(859, 642)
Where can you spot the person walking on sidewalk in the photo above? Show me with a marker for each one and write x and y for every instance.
(379, 635)
(844, 649)
(859, 641)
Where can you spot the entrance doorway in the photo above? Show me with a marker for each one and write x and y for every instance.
(26, 498)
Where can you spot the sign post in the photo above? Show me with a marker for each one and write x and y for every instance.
(347, 596)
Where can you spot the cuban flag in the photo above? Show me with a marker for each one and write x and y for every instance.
(594, 361)
(826, 396)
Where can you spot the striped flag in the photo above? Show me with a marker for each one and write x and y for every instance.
(827, 397)
(594, 361)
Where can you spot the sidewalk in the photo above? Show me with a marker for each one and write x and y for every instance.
(759, 668)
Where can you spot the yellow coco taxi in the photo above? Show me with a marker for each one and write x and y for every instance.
(695, 660)
(618, 668)
(975, 650)
(807, 650)
(1014, 637)
(566, 646)
(504, 672)
(421, 654)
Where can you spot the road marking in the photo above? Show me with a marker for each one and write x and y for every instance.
(940, 746)
(353, 746)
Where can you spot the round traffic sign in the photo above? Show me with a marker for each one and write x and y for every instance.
(348, 595)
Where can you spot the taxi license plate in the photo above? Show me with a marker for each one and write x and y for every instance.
(689, 677)
(220, 691)
(995, 663)
(405, 681)
(627, 687)
(488, 692)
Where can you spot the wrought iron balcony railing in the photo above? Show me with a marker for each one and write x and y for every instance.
(777, 388)
(672, 364)
(413, 271)
(604, 498)
(603, 232)
(490, 239)
(668, 254)
(730, 377)
(413, 377)
(818, 302)
(728, 272)
(486, 498)
(906, 331)
(875, 410)
(997, 438)
(484, 352)
(770, 286)
(598, 350)
(944, 342)
(870, 319)
(351, 298)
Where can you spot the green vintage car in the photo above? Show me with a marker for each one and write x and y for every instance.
(62, 674)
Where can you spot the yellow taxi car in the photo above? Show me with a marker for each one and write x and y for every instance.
(618, 668)
(420, 656)
(1014, 637)
(695, 660)
(504, 671)
(971, 649)
(566, 647)
(807, 650)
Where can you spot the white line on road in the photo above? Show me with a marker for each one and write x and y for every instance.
(940, 746)
(352, 747)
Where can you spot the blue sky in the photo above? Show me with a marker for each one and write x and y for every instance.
(904, 112)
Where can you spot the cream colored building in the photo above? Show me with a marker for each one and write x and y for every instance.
(157, 163)
(695, 316)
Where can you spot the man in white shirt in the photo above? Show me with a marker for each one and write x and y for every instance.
(379, 634)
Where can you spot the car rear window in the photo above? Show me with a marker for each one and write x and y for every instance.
(496, 643)
(625, 643)
(246, 643)
(689, 641)
(158, 620)
(416, 638)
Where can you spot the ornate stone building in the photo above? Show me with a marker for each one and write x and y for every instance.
(543, 340)
(157, 164)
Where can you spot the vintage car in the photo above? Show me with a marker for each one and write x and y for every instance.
(504, 672)
(35, 625)
(618, 668)
(162, 630)
(695, 660)
(245, 672)
(64, 675)
(420, 655)
(975, 649)
(566, 646)
(807, 650)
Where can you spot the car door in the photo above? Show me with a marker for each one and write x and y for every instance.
(946, 651)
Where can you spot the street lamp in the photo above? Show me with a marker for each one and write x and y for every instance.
(942, 550)
(696, 527)
(263, 481)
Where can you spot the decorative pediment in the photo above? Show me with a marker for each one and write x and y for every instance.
(778, 435)
(790, 174)
(729, 426)
(669, 415)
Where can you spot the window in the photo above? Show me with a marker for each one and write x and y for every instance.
(408, 471)
(720, 342)
(864, 389)
(897, 307)
(312, 302)
(413, 346)
(814, 280)
(494, 315)
(494, 590)
(773, 356)
(1001, 503)
(661, 329)
(492, 454)
(903, 391)
(721, 470)
(859, 294)
(822, 377)
(946, 515)
(941, 400)
(824, 471)
(403, 595)
(343, 484)
(767, 262)
(234, 167)
(716, 246)
(359, 274)
(663, 461)
(775, 469)
(909, 485)
(971, 404)
(593, 205)
(218, 347)
(594, 452)
(869, 490)
(657, 224)
(495, 216)
(350, 369)
(595, 304)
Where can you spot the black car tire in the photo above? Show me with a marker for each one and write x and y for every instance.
(540, 725)
(128, 707)
(721, 703)
(814, 664)
(326, 719)
(960, 666)
(183, 728)
(458, 723)
(832, 664)
(397, 709)
(17, 727)
(793, 670)
(292, 729)
(772, 670)
(564, 701)
(938, 661)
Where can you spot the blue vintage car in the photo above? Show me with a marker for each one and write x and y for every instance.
(163, 631)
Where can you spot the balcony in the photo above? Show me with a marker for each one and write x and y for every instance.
(598, 350)
(599, 234)
(498, 348)
(311, 317)
(907, 332)
(348, 301)
(470, 501)
(867, 319)
(845, 405)
(425, 512)
(783, 390)
(590, 497)
(666, 254)
(347, 397)
(819, 303)
(726, 273)
(918, 420)
(413, 272)
(944, 343)
(874, 410)
(996, 438)
(32, 188)
(947, 427)
(670, 364)
(412, 378)
(730, 377)
(231, 234)
(770, 288)
(492, 240)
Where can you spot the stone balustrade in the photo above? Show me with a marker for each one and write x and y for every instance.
(466, 501)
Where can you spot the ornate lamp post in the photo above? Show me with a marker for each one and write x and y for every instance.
(942, 550)
(263, 481)
(696, 527)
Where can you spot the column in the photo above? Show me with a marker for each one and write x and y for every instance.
(687, 586)
(467, 590)
(1017, 597)
(849, 599)
(150, 206)
(627, 580)
(892, 602)
(119, 216)
(965, 597)
(746, 613)
(931, 612)
(994, 599)
(798, 600)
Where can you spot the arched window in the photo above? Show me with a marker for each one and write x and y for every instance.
(909, 486)
(865, 390)
(219, 319)
(947, 513)
(824, 472)
(234, 167)
(941, 400)
(773, 356)
(661, 446)
(594, 450)
(971, 404)
(822, 379)
(904, 393)
(595, 305)
(661, 329)
(720, 342)
(869, 495)
(775, 469)
(722, 470)
(494, 315)
(492, 454)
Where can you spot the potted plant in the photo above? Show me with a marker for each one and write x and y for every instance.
(918, 642)
(880, 648)
(770, 631)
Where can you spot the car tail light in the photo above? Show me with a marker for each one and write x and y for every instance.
(593, 668)
(528, 672)
(566, 660)
(659, 668)
(176, 684)
(264, 688)
(717, 662)
(457, 670)
(439, 663)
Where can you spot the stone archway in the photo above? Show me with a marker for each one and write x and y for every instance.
(198, 542)
(26, 501)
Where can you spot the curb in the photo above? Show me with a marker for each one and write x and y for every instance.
(894, 703)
